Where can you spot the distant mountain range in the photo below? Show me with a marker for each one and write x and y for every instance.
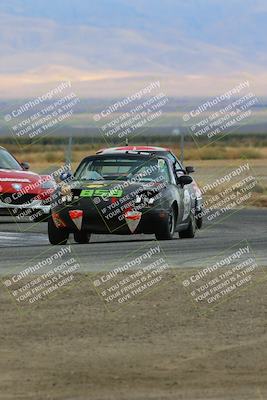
(109, 46)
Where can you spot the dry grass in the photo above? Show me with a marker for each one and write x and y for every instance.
(225, 153)
(205, 159)
(41, 154)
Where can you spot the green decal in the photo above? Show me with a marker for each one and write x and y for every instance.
(108, 193)
(87, 193)
(101, 193)
(116, 192)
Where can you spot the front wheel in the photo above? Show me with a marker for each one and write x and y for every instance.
(190, 231)
(167, 228)
(82, 237)
(56, 235)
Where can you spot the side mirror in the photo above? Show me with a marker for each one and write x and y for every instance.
(189, 169)
(66, 176)
(185, 180)
(25, 166)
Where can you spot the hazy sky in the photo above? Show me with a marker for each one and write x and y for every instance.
(113, 47)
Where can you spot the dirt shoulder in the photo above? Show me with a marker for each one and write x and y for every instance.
(159, 347)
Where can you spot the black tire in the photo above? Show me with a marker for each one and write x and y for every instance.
(167, 228)
(190, 231)
(199, 221)
(56, 235)
(82, 237)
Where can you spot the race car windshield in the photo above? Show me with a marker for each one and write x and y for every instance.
(136, 169)
(7, 161)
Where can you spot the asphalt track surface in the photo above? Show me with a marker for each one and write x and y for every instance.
(20, 243)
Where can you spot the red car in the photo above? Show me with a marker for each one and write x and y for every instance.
(23, 193)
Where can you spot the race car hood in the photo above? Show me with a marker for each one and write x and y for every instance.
(123, 193)
(122, 187)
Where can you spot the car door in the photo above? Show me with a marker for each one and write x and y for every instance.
(178, 192)
(184, 192)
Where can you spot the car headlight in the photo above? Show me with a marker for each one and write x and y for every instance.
(151, 201)
(48, 185)
(138, 200)
(144, 199)
(66, 193)
(65, 190)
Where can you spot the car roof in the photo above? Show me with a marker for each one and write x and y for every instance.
(122, 149)
(122, 155)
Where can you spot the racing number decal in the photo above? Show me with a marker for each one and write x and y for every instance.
(108, 193)
(87, 193)
(101, 193)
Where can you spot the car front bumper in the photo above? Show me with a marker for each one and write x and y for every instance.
(18, 209)
(93, 221)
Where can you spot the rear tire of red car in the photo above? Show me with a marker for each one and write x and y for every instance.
(57, 235)
(190, 231)
(167, 228)
(82, 237)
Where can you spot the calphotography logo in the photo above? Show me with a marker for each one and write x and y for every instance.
(136, 276)
(40, 279)
(132, 115)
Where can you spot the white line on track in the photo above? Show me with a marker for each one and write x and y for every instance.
(8, 239)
